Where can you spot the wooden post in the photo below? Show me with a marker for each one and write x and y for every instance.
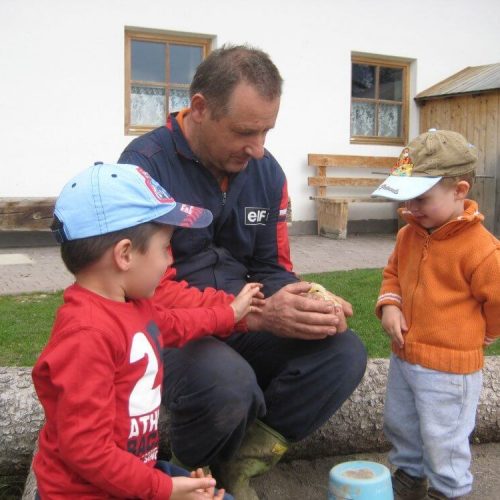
(332, 219)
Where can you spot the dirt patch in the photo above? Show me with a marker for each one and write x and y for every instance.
(308, 479)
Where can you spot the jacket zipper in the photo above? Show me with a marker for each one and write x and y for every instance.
(424, 258)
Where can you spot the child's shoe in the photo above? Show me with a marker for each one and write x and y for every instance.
(406, 487)
(433, 494)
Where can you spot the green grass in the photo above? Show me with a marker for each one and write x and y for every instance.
(26, 320)
(25, 324)
(360, 287)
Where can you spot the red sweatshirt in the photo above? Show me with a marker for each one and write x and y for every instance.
(99, 381)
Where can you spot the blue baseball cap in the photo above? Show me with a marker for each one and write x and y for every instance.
(108, 197)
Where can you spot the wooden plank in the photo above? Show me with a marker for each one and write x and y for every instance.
(423, 107)
(432, 116)
(26, 214)
(469, 113)
(349, 199)
(445, 114)
(496, 223)
(344, 181)
(349, 161)
(461, 111)
(482, 191)
(481, 133)
(491, 146)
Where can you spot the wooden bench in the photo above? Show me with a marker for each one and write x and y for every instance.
(26, 214)
(333, 201)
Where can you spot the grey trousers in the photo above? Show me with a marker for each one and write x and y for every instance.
(428, 417)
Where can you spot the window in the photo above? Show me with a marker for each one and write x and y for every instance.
(158, 71)
(379, 101)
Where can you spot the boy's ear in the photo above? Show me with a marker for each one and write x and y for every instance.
(461, 190)
(122, 254)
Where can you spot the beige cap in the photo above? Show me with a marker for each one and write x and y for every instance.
(425, 161)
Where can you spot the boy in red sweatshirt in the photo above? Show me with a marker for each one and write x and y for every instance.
(99, 377)
(440, 304)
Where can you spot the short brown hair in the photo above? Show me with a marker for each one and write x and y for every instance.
(79, 254)
(469, 177)
(224, 68)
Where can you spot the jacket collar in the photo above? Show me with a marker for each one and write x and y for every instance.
(180, 142)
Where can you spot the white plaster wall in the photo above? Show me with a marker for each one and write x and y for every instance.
(62, 73)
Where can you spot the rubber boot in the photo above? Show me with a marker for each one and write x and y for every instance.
(407, 487)
(261, 449)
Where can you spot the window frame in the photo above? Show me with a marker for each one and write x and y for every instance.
(386, 62)
(133, 34)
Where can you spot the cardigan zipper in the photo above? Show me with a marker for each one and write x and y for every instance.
(425, 252)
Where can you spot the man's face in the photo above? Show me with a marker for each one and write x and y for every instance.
(226, 145)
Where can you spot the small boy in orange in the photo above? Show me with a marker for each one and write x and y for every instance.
(440, 304)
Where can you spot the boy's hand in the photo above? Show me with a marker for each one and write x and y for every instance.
(194, 488)
(199, 473)
(394, 323)
(250, 299)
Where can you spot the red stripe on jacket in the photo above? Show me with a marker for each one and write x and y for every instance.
(282, 242)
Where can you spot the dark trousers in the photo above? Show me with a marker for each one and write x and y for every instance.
(215, 389)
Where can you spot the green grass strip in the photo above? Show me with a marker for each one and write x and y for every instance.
(26, 320)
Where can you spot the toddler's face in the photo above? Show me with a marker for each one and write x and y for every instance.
(437, 206)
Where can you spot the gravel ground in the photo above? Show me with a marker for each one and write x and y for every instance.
(308, 479)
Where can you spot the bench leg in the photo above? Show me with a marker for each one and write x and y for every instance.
(332, 219)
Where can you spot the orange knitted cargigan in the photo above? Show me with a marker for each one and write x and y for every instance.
(447, 283)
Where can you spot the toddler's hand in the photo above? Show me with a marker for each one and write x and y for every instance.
(394, 323)
(250, 299)
(488, 341)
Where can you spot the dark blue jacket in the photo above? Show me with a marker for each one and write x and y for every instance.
(248, 239)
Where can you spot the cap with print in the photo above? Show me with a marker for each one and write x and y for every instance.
(109, 197)
(425, 161)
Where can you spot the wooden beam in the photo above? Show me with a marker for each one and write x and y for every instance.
(342, 181)
(26, 214)
(349, 161)
(349, 199)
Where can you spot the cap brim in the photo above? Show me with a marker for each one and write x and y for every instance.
(402, 188)
(186, 216)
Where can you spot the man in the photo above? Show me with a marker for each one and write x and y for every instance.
(247, 397)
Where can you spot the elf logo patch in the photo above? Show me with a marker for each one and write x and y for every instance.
(255, 216)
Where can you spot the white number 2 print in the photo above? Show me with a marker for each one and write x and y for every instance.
(144, 398)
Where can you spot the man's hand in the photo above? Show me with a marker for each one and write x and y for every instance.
(319, 292)
(288, 313)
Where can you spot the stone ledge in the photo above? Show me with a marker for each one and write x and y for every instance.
(355, 428)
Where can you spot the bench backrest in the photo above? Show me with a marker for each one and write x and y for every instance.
(376, 164)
